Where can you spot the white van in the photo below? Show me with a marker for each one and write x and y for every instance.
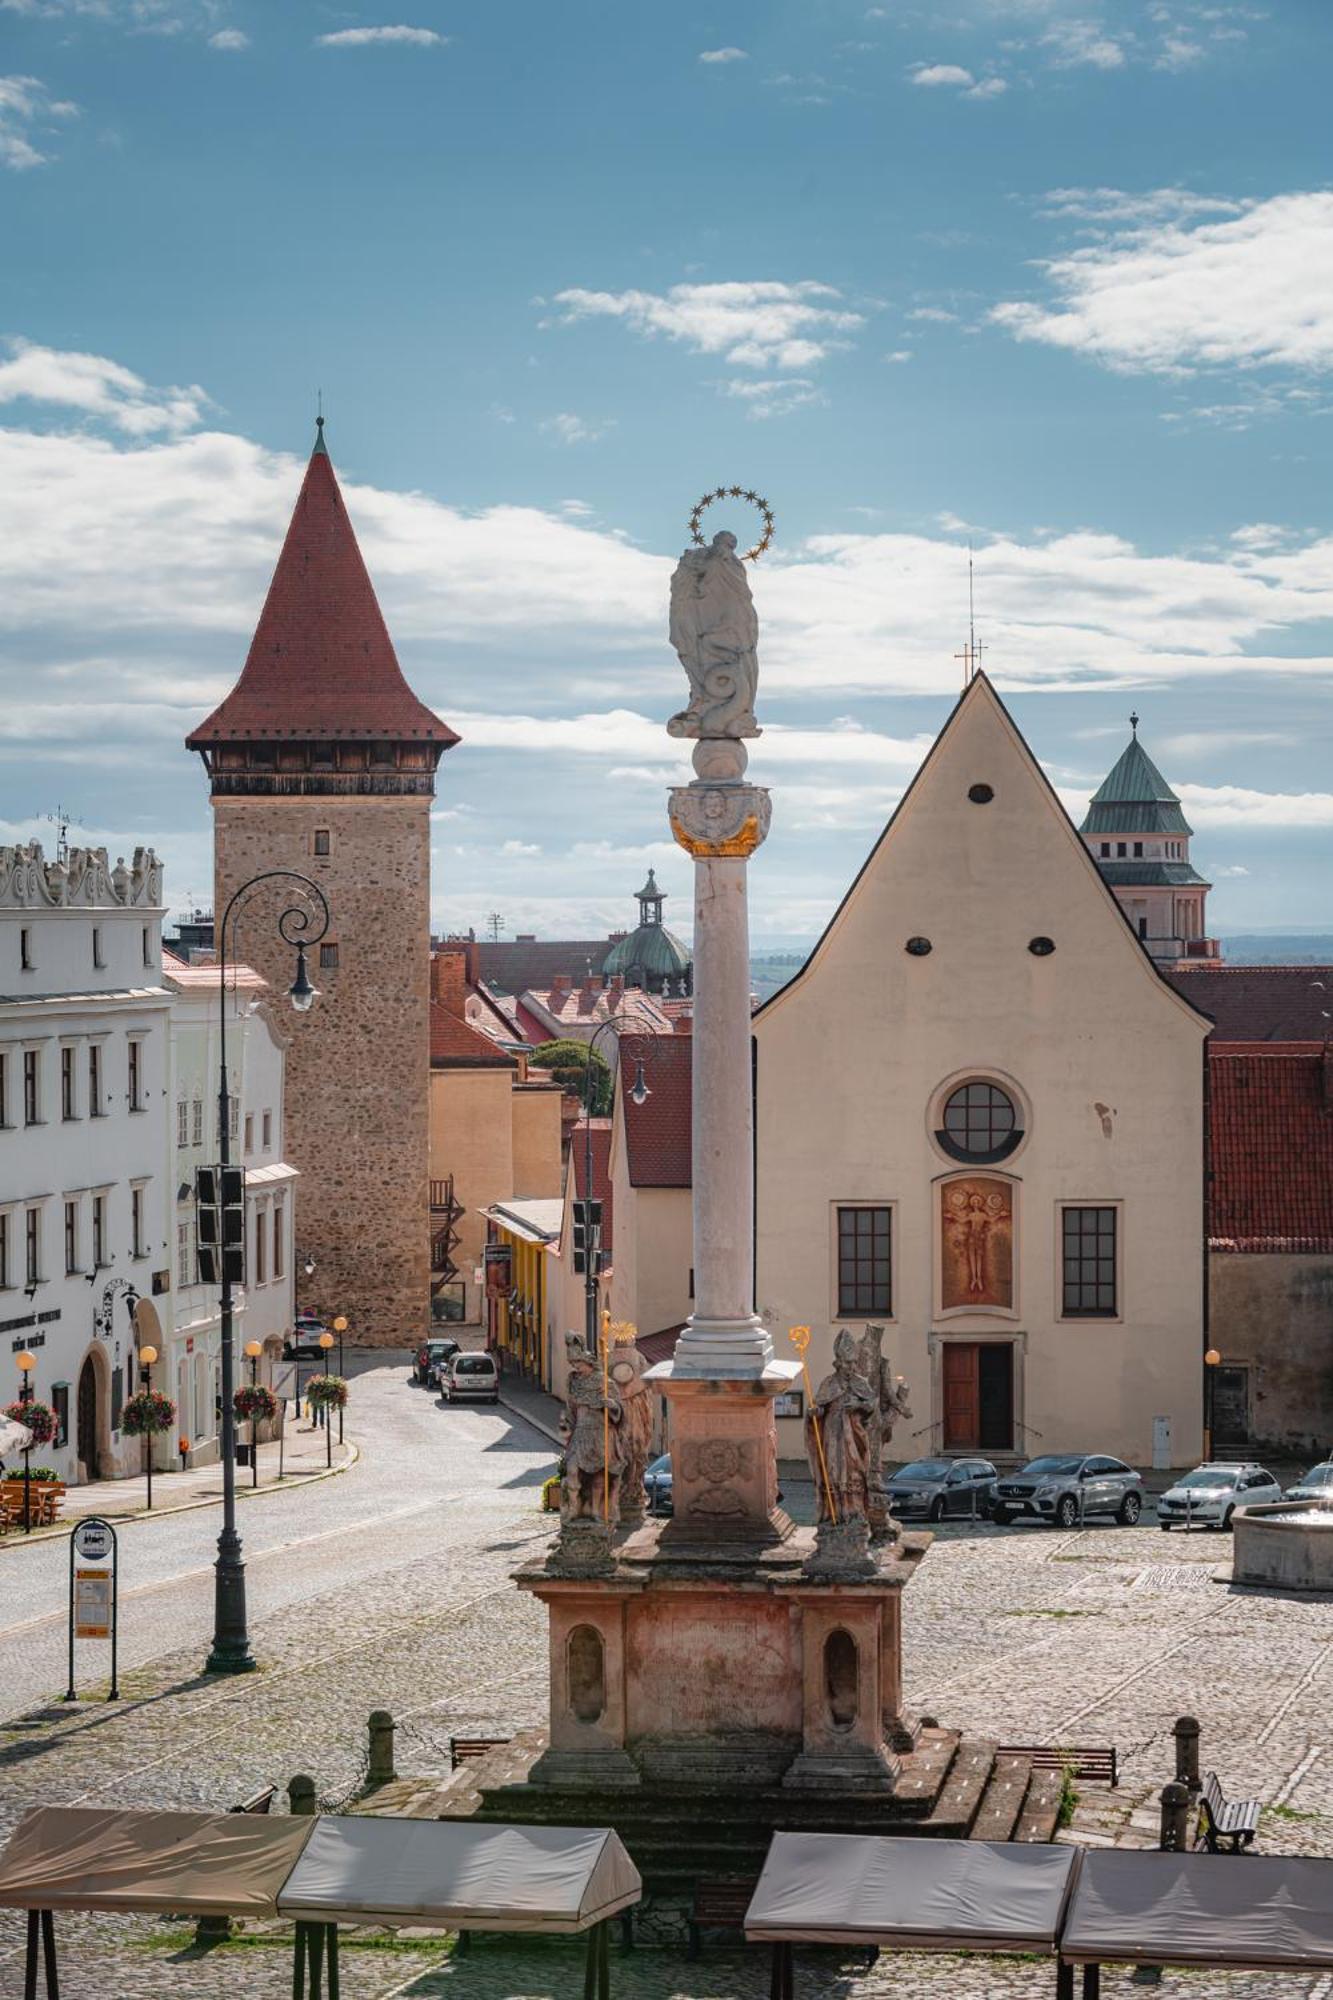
(470, 1378)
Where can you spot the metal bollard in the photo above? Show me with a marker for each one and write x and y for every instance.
(301, 1795)
(1175, 1819)
(1186, 1733)
(379, 1770)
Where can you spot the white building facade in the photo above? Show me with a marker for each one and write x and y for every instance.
(265, 1305)
(84, 1188)
(979, 1123)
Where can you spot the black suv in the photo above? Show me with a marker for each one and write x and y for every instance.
(1065, 1487)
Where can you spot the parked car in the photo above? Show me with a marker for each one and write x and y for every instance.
(471, 1378)
(302, 1343)
(1316, 1484)
(428, 1356)
(1065, 1487)
(657, 1485)
(1211, 1494)
(442, 1353)
(934, 1487)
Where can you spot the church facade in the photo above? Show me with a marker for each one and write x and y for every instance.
(979, 1122)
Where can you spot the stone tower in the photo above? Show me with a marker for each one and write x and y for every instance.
(1137, 834)
(322, 760)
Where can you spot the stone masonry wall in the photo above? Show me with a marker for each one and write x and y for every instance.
(358, 1065)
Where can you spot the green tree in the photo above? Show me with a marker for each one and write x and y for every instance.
(568, 1062)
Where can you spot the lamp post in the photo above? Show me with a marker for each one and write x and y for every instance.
(27, 1362)
(298, 925)
(340, 1328)
(147, 1356)
(1211, 1362)
(253, 1350)
(326, 1342)
(639, 1093)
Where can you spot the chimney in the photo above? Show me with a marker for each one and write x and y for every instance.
(684, 1024)
(448, 979)
(617, 985)
(526, 937)
(559, 985)
(591, 988)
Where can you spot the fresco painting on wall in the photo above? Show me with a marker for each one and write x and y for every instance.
(977, 1245)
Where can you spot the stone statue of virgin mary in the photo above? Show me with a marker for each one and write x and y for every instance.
(715, 630)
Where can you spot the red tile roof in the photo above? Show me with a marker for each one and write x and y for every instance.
(321, 663)
(657, 1132)
(1272, 1148)
(601, 1170)
(456, 1044)
(659, 1346)
(1260, 1003)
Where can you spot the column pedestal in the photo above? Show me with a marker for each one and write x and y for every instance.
(724, 1460)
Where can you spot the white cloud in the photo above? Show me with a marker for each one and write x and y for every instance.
(27, 109)
(773, 396)
(1236, 805)
(990, 86)
(519, 847)
(1106, 205)
(1254, 290)
(570, 429)
(98, 387)
(754, 323)
(229, 38)
(899, 354)
(936, 315)
(360, 38)
(938, 76)
(1082, 44)
(723, 55)
(1178, 52)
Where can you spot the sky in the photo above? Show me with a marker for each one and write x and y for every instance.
(1050, 279)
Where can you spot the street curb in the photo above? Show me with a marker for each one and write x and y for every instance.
(516, 1410)
(294, 1483)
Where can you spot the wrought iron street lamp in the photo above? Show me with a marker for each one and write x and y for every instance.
(147, 1356)
(1212, 1361)
(299, 924)
(27, 1362)
(340, 1328)
(253, 1350)
(639, 1094)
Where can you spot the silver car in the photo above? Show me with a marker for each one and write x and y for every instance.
(1316, 1484)
(1064, 1488)
(1210, 1495)
(935, 1487)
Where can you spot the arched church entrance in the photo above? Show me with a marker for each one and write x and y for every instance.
(87, 1426)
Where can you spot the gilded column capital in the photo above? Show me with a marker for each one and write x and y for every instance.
(723, 822)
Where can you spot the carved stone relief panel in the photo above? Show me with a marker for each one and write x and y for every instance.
(977, 1244)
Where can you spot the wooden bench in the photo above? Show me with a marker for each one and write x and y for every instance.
(1099, 1766)
(258, 1802)
(463, 1749)
(1235, 1821)
(719, 1905)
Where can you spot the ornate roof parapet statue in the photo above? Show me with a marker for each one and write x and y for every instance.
(715, 630)
(838, 1446)
(82, 879)
(891, 1400)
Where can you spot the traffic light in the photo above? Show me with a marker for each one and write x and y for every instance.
(219, 1195)
(587, 1235)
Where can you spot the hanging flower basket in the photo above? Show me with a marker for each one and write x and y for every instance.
(326, 1392)
(255, 1404)
(39, 1418)
(147, 1413)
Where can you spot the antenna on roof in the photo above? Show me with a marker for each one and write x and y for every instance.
(495, 923)
(972, 651)
(60, 821)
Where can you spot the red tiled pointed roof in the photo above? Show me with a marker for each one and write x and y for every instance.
(321, 663)
(658, 1131)
(456, 1044)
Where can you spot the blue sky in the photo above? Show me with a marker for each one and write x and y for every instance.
(1053, 278)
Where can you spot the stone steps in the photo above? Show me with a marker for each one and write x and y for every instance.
(1041, 1808)
(1003, 1799)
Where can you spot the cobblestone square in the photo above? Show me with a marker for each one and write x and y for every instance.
(388, 1586)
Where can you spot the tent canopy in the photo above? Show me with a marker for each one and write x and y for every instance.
(191, 1864)
(930, 1895)
(457, 1872)
(1269, 1912)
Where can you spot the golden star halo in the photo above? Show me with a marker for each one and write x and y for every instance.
(765, 541)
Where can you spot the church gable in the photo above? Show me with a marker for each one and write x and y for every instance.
(980, 893)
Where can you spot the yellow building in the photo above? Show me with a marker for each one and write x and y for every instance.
(522, 1261)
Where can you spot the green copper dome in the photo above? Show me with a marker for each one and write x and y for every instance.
(1134, 797)
(651, 951)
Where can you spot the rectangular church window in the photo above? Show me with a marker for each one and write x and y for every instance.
(864, 1261)
(1088, 1249)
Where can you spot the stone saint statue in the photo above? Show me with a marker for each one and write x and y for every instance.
(715, 630)
(844, 1405)
(891, 1400)
(628, 1367)
(592, 1419)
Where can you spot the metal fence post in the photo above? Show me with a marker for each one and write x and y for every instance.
(379, 1769)
(1175, 1819)
(301, 1795)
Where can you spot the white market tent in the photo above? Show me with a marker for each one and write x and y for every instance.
(158, 1863)
(460, 1874)
(1262, 1913)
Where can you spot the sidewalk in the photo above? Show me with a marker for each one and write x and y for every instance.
(536, 1407)
(304, 1459)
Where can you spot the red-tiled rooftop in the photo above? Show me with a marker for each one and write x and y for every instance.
(1260, 1003)
(1272, 1148)
(456, 1044)
(321, 663)
(657, 1132)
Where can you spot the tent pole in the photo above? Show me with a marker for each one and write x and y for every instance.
(1092, 1982)
(1064, 1980)
(333, 1962)
(315, 1938)
(604, 1961)
(49, 1954)
(30, 1962)
(298, 1965)
(590, 1966)
(781, 1985)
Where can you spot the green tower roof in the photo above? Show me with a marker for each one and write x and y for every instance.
(649, 949)
(1134, 797)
